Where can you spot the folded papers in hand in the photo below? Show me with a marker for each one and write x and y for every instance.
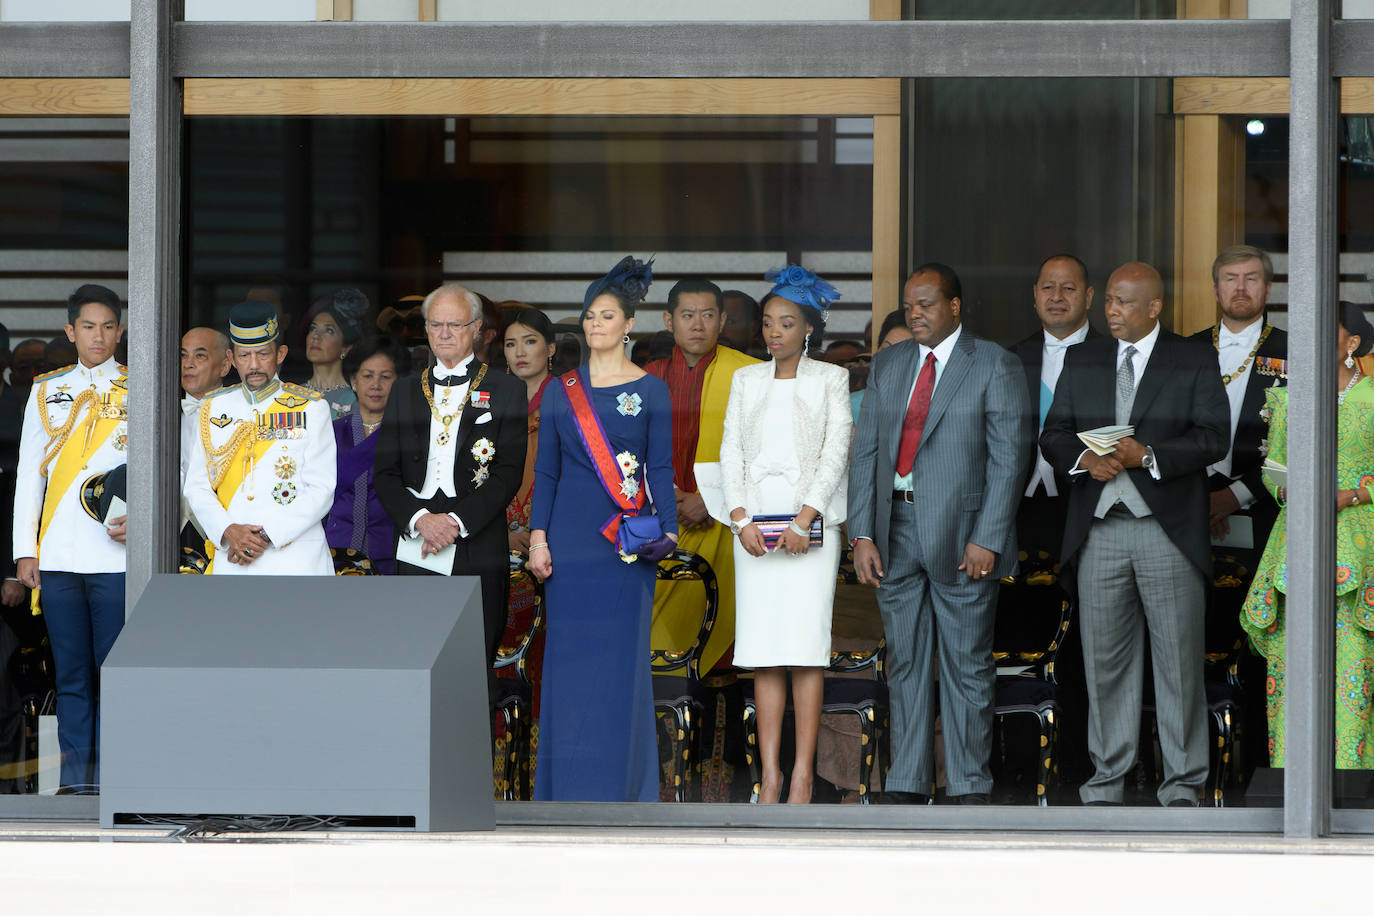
(1103, 440)
(1277, 473)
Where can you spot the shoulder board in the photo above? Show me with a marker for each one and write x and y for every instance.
(123, 370)
(54, 373)
(301, 391)
(211, 394)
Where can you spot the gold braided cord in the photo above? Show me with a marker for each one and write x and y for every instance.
(58, 435)
(217, 459)
(1216, 345)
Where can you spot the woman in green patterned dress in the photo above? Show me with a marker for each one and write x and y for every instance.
(1263, 614)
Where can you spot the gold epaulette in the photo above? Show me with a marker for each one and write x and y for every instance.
(54, 373)
(210, 394)
(301, 391)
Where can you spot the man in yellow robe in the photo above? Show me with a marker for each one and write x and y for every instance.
(698, 374)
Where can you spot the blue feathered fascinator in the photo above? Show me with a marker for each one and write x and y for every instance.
(797, 284)
(630, 278)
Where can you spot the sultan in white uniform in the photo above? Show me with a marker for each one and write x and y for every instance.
(286, 484)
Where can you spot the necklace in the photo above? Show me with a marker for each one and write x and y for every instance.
(1340, 398)
(1226, 379)
(370, 428)
(447, 419)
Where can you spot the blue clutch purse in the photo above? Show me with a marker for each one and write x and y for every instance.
(641, 538)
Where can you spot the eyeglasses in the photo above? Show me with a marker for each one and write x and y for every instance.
(453, 326)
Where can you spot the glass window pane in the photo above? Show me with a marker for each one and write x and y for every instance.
(250, 10)
(650, 10)
(65, 11)
(65, 183)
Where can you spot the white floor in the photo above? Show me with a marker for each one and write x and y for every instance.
(81, 870)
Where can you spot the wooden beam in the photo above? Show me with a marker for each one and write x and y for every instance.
(334, 10)
(429, 10)
(885, 10)
(474, 97)
(1209, 212)
(1259, 95)
(887, 218)
(76, 97)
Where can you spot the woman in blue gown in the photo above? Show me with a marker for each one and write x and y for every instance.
(597, 737)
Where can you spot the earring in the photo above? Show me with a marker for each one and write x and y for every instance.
(625, 339)
(806, 344)
(1350, 359)
(550, 363)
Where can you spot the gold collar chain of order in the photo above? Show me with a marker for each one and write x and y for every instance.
(447, 419)
(1227, 378)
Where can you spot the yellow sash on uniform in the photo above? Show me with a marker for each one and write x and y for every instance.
(79, 447)
(245, 448)
(83, 439)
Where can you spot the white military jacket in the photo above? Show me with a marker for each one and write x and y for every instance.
(73, 541)
(287, 489)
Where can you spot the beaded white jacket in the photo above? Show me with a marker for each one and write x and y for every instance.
(822, 426)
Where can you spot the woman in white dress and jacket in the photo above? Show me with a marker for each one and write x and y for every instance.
(784, 452)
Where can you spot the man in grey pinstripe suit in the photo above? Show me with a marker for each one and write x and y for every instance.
(1137, 534)
(935, 478)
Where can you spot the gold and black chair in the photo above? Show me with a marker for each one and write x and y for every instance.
(516, 683)
(1223, 652)
(855, 685)
(350, 562)
(1033, 619)
(679, 696)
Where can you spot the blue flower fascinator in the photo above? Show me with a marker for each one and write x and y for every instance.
(629, 278)
(797, 284)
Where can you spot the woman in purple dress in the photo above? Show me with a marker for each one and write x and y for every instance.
(357, 519)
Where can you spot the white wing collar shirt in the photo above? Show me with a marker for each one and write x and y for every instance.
(1233, 347)
(73, 541)
(1051, 366)
(439, 467)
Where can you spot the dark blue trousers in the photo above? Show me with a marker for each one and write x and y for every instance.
(84, 613)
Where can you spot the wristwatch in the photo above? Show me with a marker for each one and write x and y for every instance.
(737, 527)
(1147, 460)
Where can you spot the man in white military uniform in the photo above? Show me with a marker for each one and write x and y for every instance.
(205, 361)
(261, 475)
(75, 426)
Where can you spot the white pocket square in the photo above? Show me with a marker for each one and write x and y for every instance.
(484, 418)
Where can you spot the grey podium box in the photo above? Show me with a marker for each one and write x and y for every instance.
(355, 696)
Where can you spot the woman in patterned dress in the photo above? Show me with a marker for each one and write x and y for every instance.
(1263, 614)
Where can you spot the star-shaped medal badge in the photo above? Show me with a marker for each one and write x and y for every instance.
(630, 487)
(480, 475)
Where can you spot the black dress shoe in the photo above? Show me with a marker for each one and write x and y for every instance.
(1102, 803)
(973, 798)
(901, 798)
(1182, 803)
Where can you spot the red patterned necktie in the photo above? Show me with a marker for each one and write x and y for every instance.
(916, 413)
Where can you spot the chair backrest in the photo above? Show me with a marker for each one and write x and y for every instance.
(855, 660)
(525, 620)
(350, 562)
(1032, 622)
(1224, 640)
(677, 566)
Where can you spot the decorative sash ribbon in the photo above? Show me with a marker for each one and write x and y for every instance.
(598, 447)
(73, 448)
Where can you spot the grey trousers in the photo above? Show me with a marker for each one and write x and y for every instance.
(1132, 576)
(921, 618)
